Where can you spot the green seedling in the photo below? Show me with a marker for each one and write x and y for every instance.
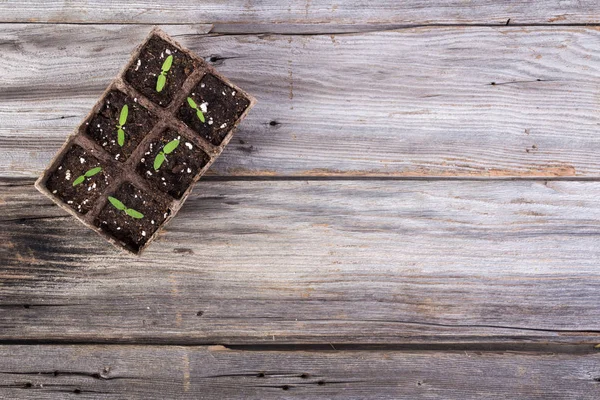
(162, 78)
(88, 174)
(192, 104)
(161, 157)
(122, 121)
(129, 211)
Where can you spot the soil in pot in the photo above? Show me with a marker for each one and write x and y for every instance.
(220, 105)
(135, 122)
(171, 162)
(143, 74)
(132, 216)
(79, 179)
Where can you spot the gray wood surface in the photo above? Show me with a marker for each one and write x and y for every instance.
(315, 262)
(327, 13)
(416, 102)
(151, 372)
(310, 233)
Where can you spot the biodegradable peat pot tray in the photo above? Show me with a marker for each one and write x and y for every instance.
(129, 166)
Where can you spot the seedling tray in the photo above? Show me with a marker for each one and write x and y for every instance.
(130, 165)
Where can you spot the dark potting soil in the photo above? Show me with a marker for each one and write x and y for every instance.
(133, 232)
(77, 162)
(220, 104)
(102, 127)
(179, 168)
(143, 73)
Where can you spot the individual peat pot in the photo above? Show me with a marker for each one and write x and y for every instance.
(130, 165)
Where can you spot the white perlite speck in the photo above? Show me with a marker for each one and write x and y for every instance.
(189, 170)
(68, 175)
(189, 145)
(203, 107)
(139, 62)
(210, 121)
(223, 125)
(54, 191)
(81, 160)
(143, 233)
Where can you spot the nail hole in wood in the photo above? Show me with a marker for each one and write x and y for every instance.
(261, 375)
(321, 383)
(213, 59)
(200, 313)
(285, 387)
(304, 376)
(77, 391)
(493, 83)
(273, 123)
(26, 306)
(28, 384)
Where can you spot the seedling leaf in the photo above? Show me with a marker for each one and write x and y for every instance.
(124, 114)
(133, 213)
(158, 161)
(93, 172)
(116, 203)
(167, 64)
(200, 115)
(192, 103)
(120, 137)
(171, 146)
(79, 180)
(160, 83)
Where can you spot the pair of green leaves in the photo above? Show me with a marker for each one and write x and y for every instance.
(161, 156)
(162, 78)
(87, 174)
(120, 206)
(122, 121)
(192, 104)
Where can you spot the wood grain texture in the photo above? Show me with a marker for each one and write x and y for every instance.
(315, 262)
(414, 102)
(275, 13)
(169, 372)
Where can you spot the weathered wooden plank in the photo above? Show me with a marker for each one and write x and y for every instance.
(161, 372)
(324, 12)
(314, 261)
(415, 102)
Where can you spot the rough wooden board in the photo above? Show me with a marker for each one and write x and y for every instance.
(312, 261)
(326, 12)
(415, 102)
(169, 372)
